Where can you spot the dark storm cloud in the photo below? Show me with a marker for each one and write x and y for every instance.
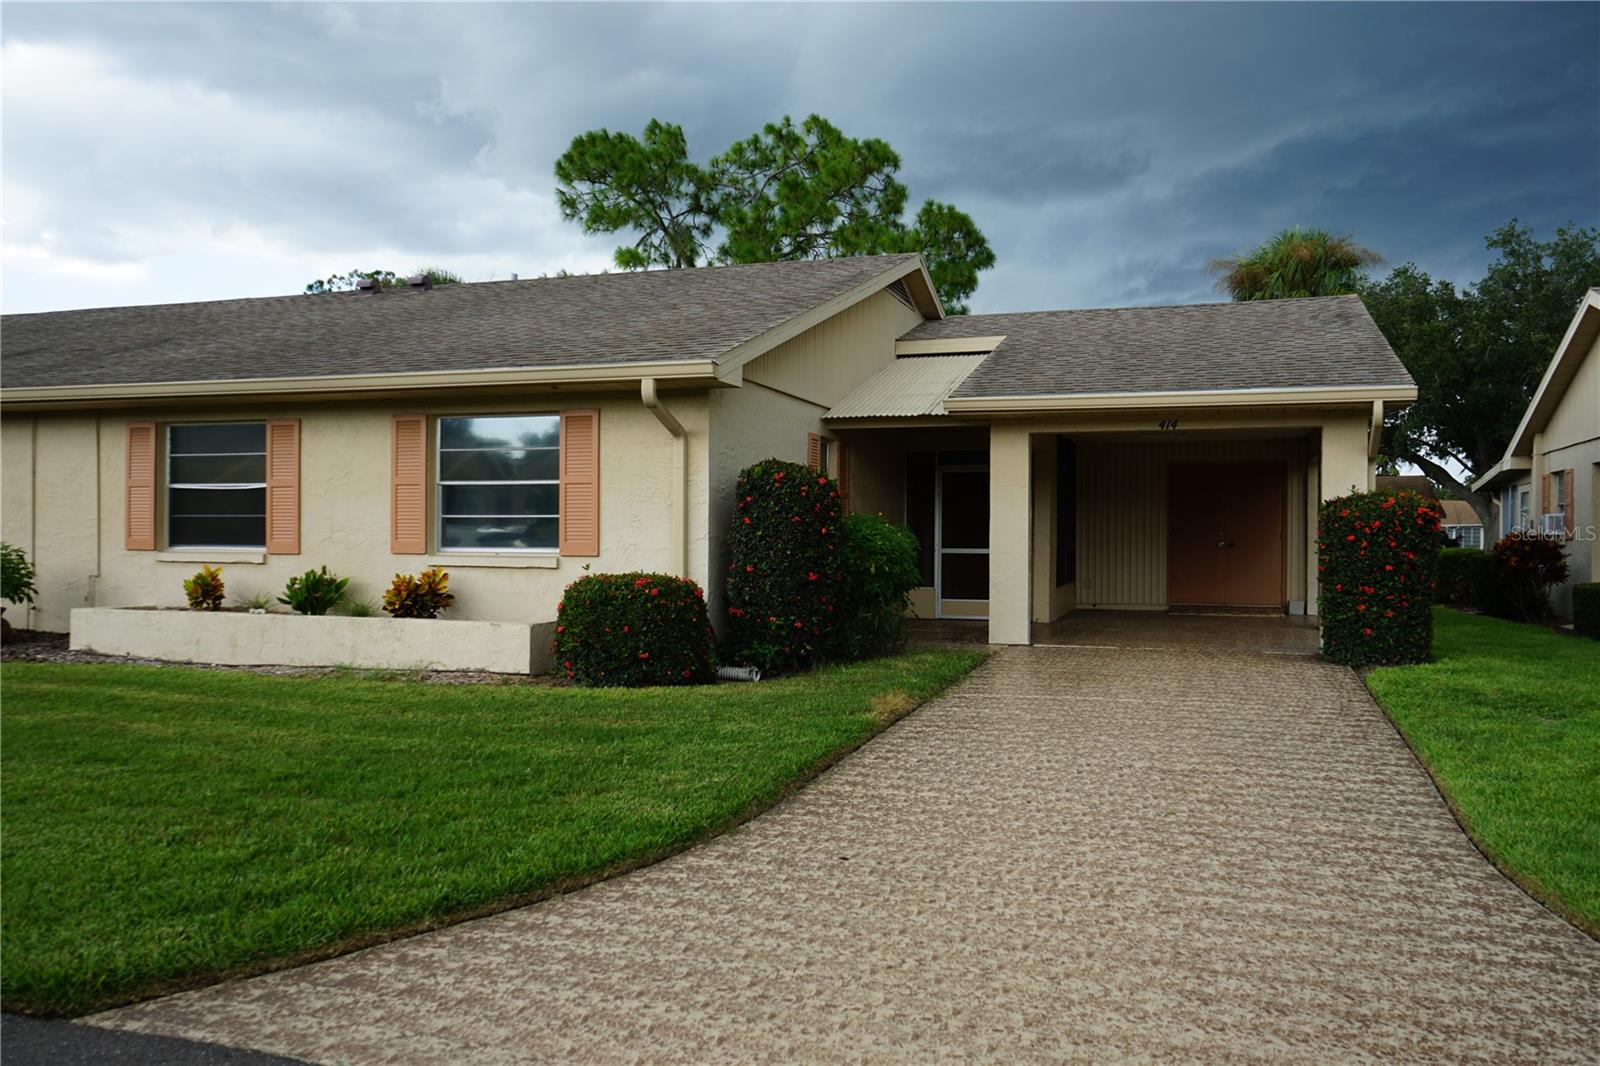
(186, 151)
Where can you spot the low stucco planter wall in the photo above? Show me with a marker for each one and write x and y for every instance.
(242, 639)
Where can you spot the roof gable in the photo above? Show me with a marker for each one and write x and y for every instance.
(1564, 364)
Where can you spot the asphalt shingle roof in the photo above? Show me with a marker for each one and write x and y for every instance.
(599, 319)
(1321, 342)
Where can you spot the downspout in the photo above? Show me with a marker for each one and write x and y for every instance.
(680, 472)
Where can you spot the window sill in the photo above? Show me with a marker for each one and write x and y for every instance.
(216, 555)
(505, 560)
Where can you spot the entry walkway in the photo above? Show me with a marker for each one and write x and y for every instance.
(1197, 850)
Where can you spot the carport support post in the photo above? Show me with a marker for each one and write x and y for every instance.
(1010, 535)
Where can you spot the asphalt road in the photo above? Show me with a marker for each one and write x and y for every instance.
(31, 1042)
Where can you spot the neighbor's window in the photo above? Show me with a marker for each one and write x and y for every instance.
(1470, 536)
(217, 485)
(499, 483)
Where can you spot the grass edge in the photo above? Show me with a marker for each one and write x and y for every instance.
(1527, 884)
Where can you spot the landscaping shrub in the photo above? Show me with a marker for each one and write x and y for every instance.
(634, 629)
(1527, 565)
(16, 575)
(16, 581)
(422, 596)
(1376, 557)
(784, 572)
(204, 589)
(1586, 609)
(878, 561)
(314, 592)
(1462, 576)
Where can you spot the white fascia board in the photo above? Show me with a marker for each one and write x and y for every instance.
(1308, 395)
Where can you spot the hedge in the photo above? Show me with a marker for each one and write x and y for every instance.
(1376, 558)
(878, 560)
(1527, 564)
(1462, 577)
(1586, 609)
(784, 571)
(634, 629)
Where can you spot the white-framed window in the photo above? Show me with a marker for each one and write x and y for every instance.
(1465, 536)
(217, 485)
(499, 483)
(1524, 508)
(1558, 492)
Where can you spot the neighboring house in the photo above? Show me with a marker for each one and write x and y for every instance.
(1462, 524)
(1416, 483)
(1548, 478)
(522, 432)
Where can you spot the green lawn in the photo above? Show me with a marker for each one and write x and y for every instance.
(164, 827)
(1508, 721)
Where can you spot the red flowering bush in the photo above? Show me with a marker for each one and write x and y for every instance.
(634, 629)
(1527, 564)
(784, 571)
(1376, 555)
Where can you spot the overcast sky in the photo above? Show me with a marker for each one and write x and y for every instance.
(182, 152)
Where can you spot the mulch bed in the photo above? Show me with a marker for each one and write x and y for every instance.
(34, 646)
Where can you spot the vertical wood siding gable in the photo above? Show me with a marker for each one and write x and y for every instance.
(408, 495)
(580, 483)
(139, 525)
(283, 486)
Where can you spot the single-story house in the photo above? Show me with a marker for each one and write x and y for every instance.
(1462, 524)
(519, 433)
(1547, 478)
(1416, 483)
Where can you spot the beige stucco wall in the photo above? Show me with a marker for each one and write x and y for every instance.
(1582, 459)
(75, 507)
(827, 361)
(1576, 419)
(783, 398)
(51, 484)
(1571, 441)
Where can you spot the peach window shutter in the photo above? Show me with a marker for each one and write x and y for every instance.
(408, 492)
(580, 483)
(283, 486)
(1544, 495)
(1567, 501)
(814, 451)
(139, 530)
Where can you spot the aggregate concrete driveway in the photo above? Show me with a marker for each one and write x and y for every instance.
(1187, 842)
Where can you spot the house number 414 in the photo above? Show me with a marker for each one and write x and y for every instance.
(1168, 423)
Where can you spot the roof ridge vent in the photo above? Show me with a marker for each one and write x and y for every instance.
(369, 285)
(420, 281)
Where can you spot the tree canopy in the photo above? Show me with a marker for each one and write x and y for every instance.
(386, 279)
(1295, 263)
(1478, 353)
(803, 191)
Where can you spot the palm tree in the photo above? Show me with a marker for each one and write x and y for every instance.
(1296, 262)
